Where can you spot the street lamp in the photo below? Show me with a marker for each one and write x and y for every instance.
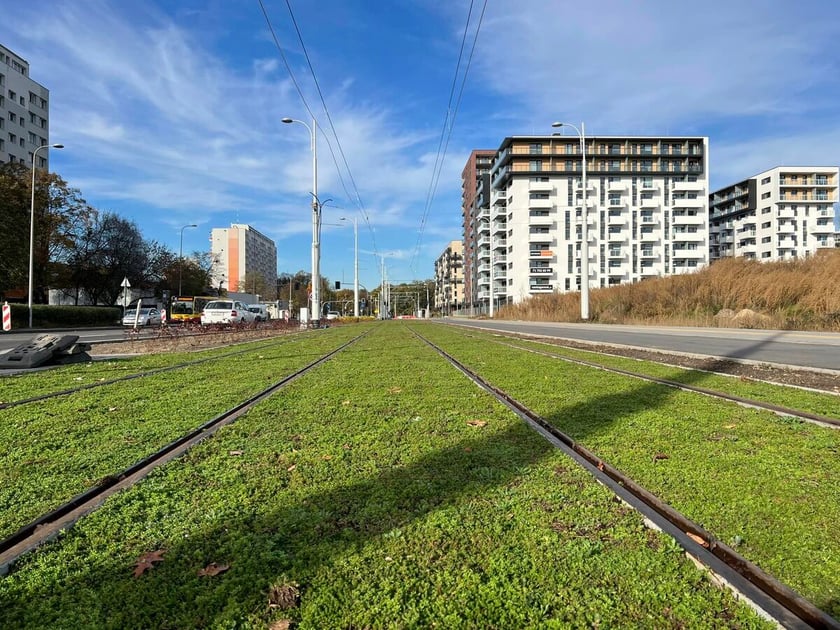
(355, 264)
(584, 248)
(32, 225)
(180, 253)
(316, 220)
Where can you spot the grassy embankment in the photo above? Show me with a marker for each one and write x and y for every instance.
(797, 295)
(762, 483)
(381, 490)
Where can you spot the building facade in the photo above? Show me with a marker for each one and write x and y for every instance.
(475, 190)
(785, 212)
(449, 278)
(239, 254)
(647, 200)
(24, 113)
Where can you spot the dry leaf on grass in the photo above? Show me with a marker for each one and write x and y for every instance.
(345, 403)
(729, 426)
(147, 561)
(213, 569)
(292, 467)
(235, 452)
(327, 457)
(477, 423)
(395, 390)
(284, 596)
(281, 624)
(697, 539)
(659, 456)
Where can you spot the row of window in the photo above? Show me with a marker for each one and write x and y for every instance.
(644, 148)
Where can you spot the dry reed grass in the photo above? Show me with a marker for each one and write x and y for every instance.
(800, 294)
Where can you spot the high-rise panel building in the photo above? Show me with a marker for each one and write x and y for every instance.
(239, 253)
(785, 212)
(647, 214)
(475, 190)
(449, 278)
(24, 112)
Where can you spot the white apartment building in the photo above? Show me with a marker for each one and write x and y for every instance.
(449, 278)
(239, 251)
(785, 212)
(24, 112)
(647, 201)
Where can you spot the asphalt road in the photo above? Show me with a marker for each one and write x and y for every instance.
(12, 339)
(782, 347)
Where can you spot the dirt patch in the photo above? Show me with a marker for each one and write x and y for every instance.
(185, 342)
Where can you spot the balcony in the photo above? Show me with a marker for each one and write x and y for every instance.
(616, 253)
(697, 187)
(650, 202)
(540, 221)
(539, 237)
(616, 202)
(499, 198)
(540, 187)
(699, 202)
(616, 187)
(648, 253)
(540, 204)
(484, 241)
(687, 219)
(616, 219)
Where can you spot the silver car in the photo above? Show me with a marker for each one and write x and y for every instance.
(149, 316)
(226, 312)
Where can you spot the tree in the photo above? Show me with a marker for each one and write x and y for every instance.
(255, 283)
(114, 249)
(61, 220)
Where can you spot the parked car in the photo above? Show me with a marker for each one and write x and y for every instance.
(226, 312)
(260, 312)
(333, 315)
(148, 317)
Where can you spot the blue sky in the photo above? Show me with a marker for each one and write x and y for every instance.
(170, 110)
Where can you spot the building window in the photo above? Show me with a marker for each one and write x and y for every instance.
(535, 165)
(766, 180)
(765, 195)
(535, 149)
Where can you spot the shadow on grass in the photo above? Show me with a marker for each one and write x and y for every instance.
(265, 544)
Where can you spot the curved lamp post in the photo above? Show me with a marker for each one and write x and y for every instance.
(180, 253)
(32, 225)
(584, 248)
(316, 220)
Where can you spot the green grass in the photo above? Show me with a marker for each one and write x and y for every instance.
(766, 484)
(365, 488)
(825, 404)
(55, 449)
(25, 385)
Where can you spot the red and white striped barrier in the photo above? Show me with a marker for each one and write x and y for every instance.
(163, 316)
(7, 317)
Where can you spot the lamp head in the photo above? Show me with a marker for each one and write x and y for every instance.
(287, 120)
(57, 146)
(557, 124)
(192, 225)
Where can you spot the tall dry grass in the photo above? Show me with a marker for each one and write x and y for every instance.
(800, 294)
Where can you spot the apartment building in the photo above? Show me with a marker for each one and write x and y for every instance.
(647, 200)
(785, 212)
(449, 278)
(24, 112)
(238, 252)
(475, 189)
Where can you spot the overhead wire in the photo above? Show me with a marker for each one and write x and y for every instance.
(449, 121)
(309, 109)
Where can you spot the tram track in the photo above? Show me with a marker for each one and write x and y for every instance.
(51, 524)
(129, 377)
(826, 421)
(767, 595)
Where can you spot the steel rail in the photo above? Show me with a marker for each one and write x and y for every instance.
(129, 377)
(51, 524)
(765, 593)
(827, 421)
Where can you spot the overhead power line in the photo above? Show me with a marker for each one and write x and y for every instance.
(448, 126)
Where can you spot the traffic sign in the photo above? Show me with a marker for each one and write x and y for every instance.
(125, 283)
